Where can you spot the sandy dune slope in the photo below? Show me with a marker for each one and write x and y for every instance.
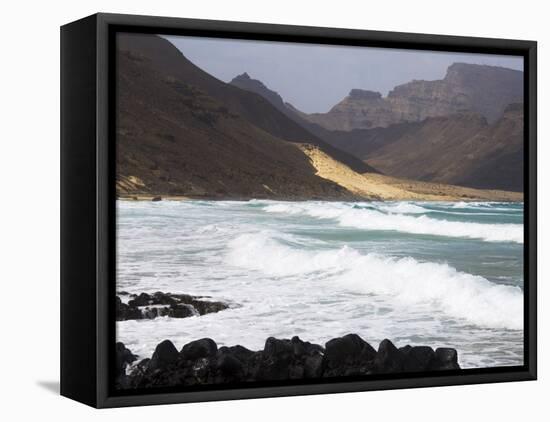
(377, 186)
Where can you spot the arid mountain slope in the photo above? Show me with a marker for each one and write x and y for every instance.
(462, 150)
(486, 90)
(334, 138)
(175, 139)
(166, 59)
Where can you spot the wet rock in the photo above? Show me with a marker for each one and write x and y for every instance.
(348, 355)
(156, 199)
(206, 307)
(313, 366)
(240, 352)
(200, 362)
(147, 306)
(143, 299)
(275, 347)
(345, 349)
(124, 312)
(160, 298)
(276, 359)
(418, 358)
(445, 359)
(388, 359)
(123, 358)
(229, 365)
(180, 311)
(150, 313)
(165, 354)
(197, 349)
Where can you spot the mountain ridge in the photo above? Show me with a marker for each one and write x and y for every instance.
(460, 132)
(165, 57)
(466, 87)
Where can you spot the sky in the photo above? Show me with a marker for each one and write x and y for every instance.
(315, 77)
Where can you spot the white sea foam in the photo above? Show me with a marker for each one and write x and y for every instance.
(406, 281)
(401, 208)
(348, 216)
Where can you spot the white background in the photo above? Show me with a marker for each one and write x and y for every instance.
(29, 169)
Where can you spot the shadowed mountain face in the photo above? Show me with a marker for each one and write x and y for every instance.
(245, 82)
(486, 90)
(458, 147)
(175, 138)
(165, 58)
(461, 149)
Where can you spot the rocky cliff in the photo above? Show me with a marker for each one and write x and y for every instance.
(486, 90)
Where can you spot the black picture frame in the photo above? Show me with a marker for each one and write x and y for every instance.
(88, 206)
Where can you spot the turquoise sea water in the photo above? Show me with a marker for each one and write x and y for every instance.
(438, 274)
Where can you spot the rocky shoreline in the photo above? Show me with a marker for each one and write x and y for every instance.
(159, 304)
(201, 362)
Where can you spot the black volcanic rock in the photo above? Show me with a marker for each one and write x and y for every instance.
(348, 355)
(199, 349)
(418, 358)
(201, 362)
(146, 306)
(165, 354)
(123, 358)
(388, 359)
(445, 359)
(230, 366)
(349, 348)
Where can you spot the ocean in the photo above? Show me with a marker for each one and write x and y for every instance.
(442, 274)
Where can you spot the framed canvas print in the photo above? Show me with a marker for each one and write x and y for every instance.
(253, 210)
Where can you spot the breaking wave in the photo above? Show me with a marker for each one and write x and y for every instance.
(395, 218)
(405, 281)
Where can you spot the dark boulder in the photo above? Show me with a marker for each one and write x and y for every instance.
(276, 359)
(160, 298)
(239, 352)
(180, 311)
(156, 199)
(313, 366)
(275, 347)
(123, 358)
(388, 359)
(349, 348)
(206, 307)
(445, 359)
(197, 349)
(146, 306)
(417, 359)
(142, 300)
(150, 313)
(165, 354)
(230, 366)
(348, 355)
(124, 312)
